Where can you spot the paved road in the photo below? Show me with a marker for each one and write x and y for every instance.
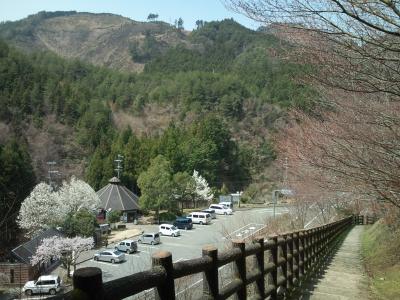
(219, 233)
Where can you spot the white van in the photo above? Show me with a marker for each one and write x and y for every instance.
(201, 218)
(227, 204)
(221, 209)
(168, 229)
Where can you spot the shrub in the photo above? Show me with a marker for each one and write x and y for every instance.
(167, 216)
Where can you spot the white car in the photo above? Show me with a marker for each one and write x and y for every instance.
(168, 229)
(221, 209)
(47, 284)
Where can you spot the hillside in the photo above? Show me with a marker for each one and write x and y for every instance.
(220, 75)
(101, 39)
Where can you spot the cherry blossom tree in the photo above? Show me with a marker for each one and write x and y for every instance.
(45, 208)
(40, 210)
(351, 150)
(66, 249)
(76, 195)
(202, 190)
(353, 44)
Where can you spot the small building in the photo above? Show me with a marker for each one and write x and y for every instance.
(19, 270)
(117, 197)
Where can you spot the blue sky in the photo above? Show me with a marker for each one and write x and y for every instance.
(168, 10)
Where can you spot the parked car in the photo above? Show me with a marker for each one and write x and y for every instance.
(221, 209)
(183, 223)
(211, 212)
(227, 204)
(201, 218)
(128, 246)
(112, 256)
(47, 284)
(168, 229)
(152, 238)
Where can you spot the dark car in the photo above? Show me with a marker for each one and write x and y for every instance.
(183, 223)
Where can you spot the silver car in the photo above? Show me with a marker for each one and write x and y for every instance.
(112, 256)
(128, 246)
(150, 238)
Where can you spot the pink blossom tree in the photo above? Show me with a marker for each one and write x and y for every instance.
(66, 249)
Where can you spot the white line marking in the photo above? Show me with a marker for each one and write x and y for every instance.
(173, 237)
(105, 263)
(189, 287)
(197, 282)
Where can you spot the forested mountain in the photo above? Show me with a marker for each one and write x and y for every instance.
(101, 39)
(206, 100)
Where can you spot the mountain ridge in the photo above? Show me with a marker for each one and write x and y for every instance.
(102, 39)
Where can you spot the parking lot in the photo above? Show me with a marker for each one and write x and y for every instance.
(189, 244)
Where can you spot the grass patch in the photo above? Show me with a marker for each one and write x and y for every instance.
(381, 253)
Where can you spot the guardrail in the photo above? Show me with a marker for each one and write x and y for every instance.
(280, 263)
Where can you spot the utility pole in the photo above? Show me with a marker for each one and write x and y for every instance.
(285, 174)
(275, 195)
(50, 172)
(119, 167)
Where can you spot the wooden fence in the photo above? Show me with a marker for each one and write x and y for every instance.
(280, 264)
(364, 220)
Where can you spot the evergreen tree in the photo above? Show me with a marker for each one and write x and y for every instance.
(156, 186)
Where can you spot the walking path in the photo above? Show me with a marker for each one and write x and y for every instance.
(343, 276)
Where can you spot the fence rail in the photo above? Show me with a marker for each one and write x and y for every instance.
(364, 220)
(279, 264)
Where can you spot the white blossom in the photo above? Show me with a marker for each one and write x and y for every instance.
(77, 194)
(57, 247)
(44, 208)
(203, 191)
(40, 209)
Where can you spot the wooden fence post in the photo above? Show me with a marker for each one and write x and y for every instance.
(306, 246)
(313, 246)
(296, 262)
(240, 268)
(165, 291)
(284, 248)
(88, 284)
(210, 277)
(302, 242)
(259, 260)
(290, 261)
(274, 272)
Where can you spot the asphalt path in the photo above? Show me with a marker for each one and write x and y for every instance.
(189, 245)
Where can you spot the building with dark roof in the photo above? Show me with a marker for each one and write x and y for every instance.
(115, 196)
(24, 252)
(19, 270)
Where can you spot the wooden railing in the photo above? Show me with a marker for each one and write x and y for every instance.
(364, 220)
(280, 263)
